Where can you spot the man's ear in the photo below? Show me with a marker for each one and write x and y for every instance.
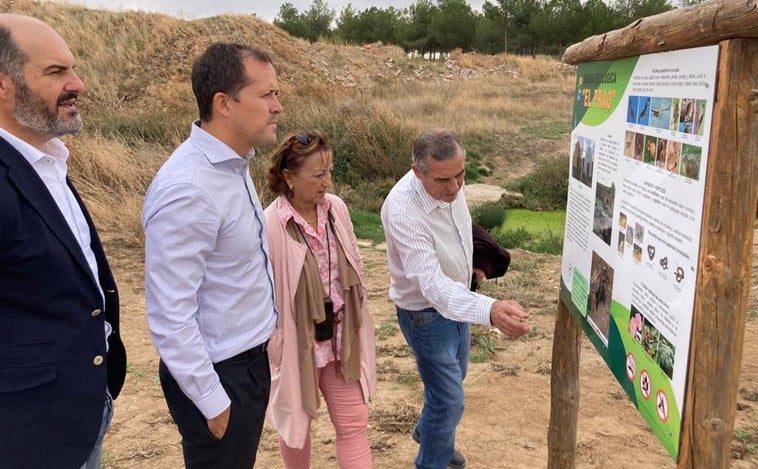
(7, 87)
(221, 104)
(416, 171)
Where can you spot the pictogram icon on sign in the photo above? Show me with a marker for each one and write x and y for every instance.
(631, 367)
(662, 405)
(679, 275)
(645, 385)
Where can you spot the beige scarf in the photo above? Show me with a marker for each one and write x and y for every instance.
(309, 307)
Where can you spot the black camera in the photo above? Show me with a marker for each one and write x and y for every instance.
(325, 328)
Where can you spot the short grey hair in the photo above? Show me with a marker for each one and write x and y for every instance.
(12, 59)
(438, 144)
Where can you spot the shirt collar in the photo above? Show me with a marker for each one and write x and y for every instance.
(286, 211)
(54, 148)
(214, 149)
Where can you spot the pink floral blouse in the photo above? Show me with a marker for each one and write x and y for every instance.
(328, 268)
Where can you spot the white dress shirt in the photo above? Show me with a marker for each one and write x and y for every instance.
(52, 168)
(429, 253)
(208, 279)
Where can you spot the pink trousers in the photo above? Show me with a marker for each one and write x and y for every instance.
(349, 415)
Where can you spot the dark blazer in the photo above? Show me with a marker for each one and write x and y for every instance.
(53, 363)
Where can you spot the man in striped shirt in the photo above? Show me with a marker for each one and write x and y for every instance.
(427, 226)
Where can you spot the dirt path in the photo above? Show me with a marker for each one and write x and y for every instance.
(507, 396)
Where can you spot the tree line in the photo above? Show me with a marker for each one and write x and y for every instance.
(513, 26)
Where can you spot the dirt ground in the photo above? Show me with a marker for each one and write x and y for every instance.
(507, 394)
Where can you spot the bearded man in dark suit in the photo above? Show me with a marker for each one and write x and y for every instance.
(61, 358)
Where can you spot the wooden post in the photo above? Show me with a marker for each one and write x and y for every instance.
(564, 390)
(726, 245)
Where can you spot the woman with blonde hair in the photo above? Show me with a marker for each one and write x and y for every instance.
(324, 338)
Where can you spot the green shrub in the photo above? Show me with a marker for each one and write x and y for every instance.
(367, 225)
(473, 172)
(485, 171)
(372, 149)
(547, 243)
(474, 169)
(519, 238)
(488, 215)
(368, 145)
(365, 195)
(515, 238)
(546, 187)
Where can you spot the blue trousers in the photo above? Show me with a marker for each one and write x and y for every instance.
(93, 461)
(441, 347)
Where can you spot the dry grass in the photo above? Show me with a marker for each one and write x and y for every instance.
(113, 178)
(372, 101)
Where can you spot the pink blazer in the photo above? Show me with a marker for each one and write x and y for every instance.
(285, 409)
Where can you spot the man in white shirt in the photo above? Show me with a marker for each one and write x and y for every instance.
(61, 357)
(427, 226)
(208, 279)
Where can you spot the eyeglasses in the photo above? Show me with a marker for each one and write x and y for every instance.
(303, 139)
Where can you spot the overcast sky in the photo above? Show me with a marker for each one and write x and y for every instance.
(266, 10)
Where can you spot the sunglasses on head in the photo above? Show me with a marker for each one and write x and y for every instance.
(303, 139)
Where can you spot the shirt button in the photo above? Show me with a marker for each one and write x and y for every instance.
(96, 312)
(98, 360)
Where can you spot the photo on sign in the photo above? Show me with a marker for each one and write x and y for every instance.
(637, 253)
(665, 356)
(601, 291)
(687, 116)
(655, 344)
(639, 232)
(631, 114)
(643, 116)
(629, 144)
(690, 161)
(639, 146)
(660, 113)
(660, 153)
(621, 243)
(673, 154)
(651, 147)
(602, 224)
(674, 118)
(699, 116)
(583, 160)
(635, 324)
(650, 337)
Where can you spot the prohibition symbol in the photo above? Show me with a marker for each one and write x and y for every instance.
(645, 385)
(631, 367)
(662, 405)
